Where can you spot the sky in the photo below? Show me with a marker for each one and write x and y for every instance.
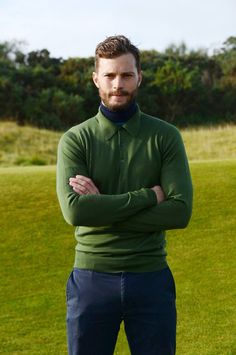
(73, 28)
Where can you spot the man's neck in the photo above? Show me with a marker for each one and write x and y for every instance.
(119, 117)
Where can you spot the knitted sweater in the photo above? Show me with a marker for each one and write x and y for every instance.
(123, 228)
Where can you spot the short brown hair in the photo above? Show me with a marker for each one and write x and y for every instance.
(113, 47)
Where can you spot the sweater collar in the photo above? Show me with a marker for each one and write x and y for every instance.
(119, 117)
(110, 129)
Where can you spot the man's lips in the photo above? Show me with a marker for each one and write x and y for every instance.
(119, 94)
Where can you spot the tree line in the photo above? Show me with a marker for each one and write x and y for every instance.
(182, 86)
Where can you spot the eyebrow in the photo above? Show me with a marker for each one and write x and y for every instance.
(123, 73)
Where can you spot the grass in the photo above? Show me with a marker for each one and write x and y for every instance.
(210, 142)
(31, 146)
(36, 252)
(25, 145)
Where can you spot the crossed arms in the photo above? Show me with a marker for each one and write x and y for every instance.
(149, 209)
(85, 186)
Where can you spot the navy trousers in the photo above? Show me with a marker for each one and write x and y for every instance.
(98, 302)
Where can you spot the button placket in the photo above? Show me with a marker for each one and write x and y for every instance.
(122, 159)
(121, 146)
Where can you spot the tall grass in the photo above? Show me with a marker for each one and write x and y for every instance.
(31, 146)
(210, 142)
(27, 145)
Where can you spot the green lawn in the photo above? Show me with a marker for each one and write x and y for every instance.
(37, 256)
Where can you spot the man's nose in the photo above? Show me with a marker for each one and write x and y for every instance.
(117, 83)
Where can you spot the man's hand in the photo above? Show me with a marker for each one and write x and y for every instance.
(83, 185)
(159, 193)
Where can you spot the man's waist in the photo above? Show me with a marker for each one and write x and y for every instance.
(126, 263)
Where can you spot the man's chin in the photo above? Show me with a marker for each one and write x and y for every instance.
(117, 106)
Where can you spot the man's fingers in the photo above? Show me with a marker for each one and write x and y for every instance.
(84, 180)
(81, 182)
(159, 193)
(81, 188)
(82, 177)
(83, 185)
(78, 191)
(87, 183)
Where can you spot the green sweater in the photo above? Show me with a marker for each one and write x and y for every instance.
(123, 228)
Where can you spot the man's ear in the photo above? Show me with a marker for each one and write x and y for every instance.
(95, 79)
(140, 76)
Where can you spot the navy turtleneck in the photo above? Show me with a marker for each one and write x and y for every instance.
(119, 117)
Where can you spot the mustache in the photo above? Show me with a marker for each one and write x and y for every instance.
(119, 93)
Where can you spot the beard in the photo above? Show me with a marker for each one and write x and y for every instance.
(126, 98)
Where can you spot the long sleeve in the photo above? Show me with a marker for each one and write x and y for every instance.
(122, 228)
(92, 210)
(175, 211)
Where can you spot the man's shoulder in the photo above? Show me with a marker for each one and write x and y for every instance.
(90, 123)
(79, 133)
(81, 128)
(157, 124)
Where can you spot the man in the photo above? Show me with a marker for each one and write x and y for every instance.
(122, 180)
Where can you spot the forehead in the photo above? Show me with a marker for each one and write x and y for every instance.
(123, 63)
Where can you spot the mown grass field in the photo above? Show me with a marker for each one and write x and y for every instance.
(37, 246)
(36, 251)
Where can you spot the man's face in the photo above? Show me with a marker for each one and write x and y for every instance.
(117, 80)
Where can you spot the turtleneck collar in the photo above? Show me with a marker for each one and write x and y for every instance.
(119, 117)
